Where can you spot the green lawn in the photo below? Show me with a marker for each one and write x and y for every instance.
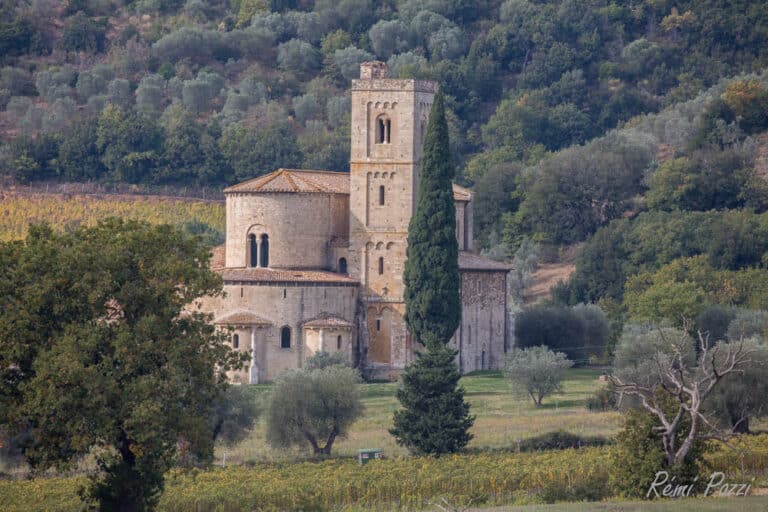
(502, 417)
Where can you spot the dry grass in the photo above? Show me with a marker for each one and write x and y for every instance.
(502, 418)
(18, 211)
(546, 276)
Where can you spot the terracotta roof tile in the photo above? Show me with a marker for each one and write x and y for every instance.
(471, 261)
(268, 275)
(327, 320)
(319, 182)
(241, 318)
(297, 181)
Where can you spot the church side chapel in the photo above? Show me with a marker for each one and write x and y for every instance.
(313, 260)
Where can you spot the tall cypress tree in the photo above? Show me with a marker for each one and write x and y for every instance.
(435, 418)
(432, 300)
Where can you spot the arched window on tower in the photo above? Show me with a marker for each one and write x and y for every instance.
(264, 251)
(383, 129)
(381, 194)
(381, 265)
(342, 265)
(338, 342)
(285, 337)
(236, 341)
(253, 251)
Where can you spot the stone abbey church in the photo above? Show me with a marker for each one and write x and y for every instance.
(313, 260)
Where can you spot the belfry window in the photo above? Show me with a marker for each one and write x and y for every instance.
(342, 265)
(285, 337)
(381, 265)
(264, 251)
(383, 130)
(381, 194)
(253, 251)
(235, 341)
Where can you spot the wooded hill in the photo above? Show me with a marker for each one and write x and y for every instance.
(212, 92)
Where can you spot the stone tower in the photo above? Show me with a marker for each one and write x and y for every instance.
(389, 117)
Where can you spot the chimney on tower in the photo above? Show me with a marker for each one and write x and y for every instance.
(373, 69)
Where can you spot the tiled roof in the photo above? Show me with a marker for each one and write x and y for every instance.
(241, 318)
(461, 194)
(319, 182)
(268, 275)
(471, 261)
(294, 180)
(326, 320)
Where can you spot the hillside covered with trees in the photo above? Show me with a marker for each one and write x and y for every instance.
(211, 92)
(635, 127)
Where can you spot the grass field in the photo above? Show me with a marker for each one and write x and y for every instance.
(502, 418)
(258, 478)
(18, 211)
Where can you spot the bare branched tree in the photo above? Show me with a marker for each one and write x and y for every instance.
(689, 378)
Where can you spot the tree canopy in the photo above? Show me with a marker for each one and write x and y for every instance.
(102, 352)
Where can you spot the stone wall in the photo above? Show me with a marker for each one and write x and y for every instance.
(293, 241)
(482, 338)
(287, 304)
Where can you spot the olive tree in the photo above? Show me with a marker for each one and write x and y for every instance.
(665, 364)
(536, 371)
(313, 406)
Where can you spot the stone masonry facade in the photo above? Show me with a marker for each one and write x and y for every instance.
(314, 260)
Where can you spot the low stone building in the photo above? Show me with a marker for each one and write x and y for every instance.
(314, 260)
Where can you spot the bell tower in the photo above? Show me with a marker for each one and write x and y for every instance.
(389, 117)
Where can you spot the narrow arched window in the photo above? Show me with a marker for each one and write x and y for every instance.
(378, 325)
(253, 251)
(383, 129)
(338, 342)
(285, 337)
(342, 265)
(469, 335)
(236, 341)
(264, 251)
(482, 361)
(381, 265)
(381, 194)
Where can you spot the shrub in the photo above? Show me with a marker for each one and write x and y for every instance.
(84, 34)
(639, 456)
(323, 359)
(537, 371)
(560, 440)
(604, 399)
(313, 406)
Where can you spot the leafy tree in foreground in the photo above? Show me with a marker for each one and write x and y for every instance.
(98, 355)
(314, 406)
(235, 413)
(537, 371)
(435, 418)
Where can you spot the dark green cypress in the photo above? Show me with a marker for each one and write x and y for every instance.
(432, 300)
(435, 418)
